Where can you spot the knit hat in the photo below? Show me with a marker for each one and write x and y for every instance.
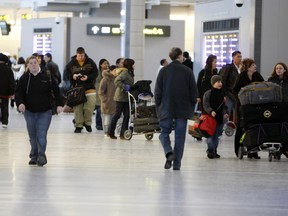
(215, 79)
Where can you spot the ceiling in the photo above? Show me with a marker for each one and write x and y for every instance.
(45, 4)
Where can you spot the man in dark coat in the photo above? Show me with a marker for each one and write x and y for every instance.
(175, 98)
(7, 87)
(53, 68)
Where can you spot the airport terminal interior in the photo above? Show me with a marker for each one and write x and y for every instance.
(89, 174)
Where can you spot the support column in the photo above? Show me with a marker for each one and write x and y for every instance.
(132, 41)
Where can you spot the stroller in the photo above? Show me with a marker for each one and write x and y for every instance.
(266, 129)
(143, 117)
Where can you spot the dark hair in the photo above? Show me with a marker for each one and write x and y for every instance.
(80, 50)
(128, 63)
(112, 67)
(21, 60)
(118, 60)
(246, 63)
(101, 62)
(209, 61)
(186, 54)
(235, 53)
(49, 55)
(285, 75)
(162, 61)
(175, 53)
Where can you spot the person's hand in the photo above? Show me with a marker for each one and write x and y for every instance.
(226, 116)
(21, 108)
(84, 78)
(59, 109)
(213, 113)
(126, 87)
(198, 100)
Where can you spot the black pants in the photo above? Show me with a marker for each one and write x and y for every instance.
(238, 135)
(121, 107)
(4, 111)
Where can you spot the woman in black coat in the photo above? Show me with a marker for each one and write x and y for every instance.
(248, 75)
(204, 77)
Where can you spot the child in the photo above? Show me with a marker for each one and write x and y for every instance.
(214, 105)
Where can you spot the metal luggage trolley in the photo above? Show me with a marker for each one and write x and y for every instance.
(147, 125)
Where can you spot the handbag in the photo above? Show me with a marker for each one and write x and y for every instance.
(75, 96)
(207, 124)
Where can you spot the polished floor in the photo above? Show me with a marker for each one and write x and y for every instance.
(88, 174)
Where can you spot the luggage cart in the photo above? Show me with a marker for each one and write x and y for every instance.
(138, 124)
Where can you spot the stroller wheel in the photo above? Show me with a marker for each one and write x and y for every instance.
(229, 131)
(128, 134)
(149, 136)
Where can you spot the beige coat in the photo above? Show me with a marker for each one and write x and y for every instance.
(106, 93)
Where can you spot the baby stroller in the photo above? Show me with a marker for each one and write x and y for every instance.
(143, 117)
(266, 129)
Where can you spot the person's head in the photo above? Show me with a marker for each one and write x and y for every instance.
(176, 54)
(280, 70)
(47, 57)
(237, 57)
(21, 60)
(4, 59)
(80, 54)
(119, 62)
(248, 65)
(186, 55)
(163, 62)
(33, 64)
(211, 62)
(216, 81)
(38, 57)
(103, 64)
(129, 64)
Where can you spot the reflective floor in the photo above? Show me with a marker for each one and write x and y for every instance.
(88, 174)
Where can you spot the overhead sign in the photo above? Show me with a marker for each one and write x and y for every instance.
(153, 31)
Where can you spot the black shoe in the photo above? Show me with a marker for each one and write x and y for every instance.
(78, 130)
(217, 155)
(88, 128)
(32, 162)
(113, 137)
(99, 127)
(253, 155)
(210, 155)
(41, 161)
(176, 168)
(169, 159)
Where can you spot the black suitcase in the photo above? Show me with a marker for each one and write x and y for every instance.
(263, 113)
(143, 125)
(146, 111)
(258, 134)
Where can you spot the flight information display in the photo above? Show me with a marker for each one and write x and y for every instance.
(221, 45)
(42, 43)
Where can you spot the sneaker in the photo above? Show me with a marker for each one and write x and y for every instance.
(169, 159)
(4, 126)
(78, 130)
(41, 161)
(88, 128)
(32, 162)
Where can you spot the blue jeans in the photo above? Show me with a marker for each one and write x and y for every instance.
(37, 126)
(230, 103)
(213, 141)
(98, 118)
(180, 126)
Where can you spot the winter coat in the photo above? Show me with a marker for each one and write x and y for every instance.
(7, 81)
(203, 81)
(283, 83)
(106, 93)
(229, 74)
(35, 92)
(54, 70)
(97, 83)
(89, 68)
(123, 78)
(175, 92)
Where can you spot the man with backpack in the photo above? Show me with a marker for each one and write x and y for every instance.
(229, 74)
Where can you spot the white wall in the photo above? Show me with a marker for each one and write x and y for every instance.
(225, 9)
(274, 35)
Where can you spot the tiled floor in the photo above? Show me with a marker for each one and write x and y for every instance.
(88, 174)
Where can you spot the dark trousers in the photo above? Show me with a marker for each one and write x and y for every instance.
(121, 107)
(4, 111)
(98, 118)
